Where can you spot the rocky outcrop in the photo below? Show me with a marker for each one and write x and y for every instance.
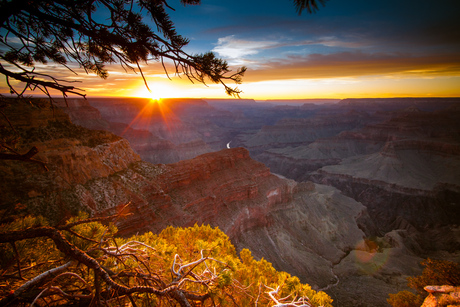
(300, 228)
(442, 296)
(416, 170)
(155, 149)
(82, 113)
(72, 154)
(408, 127)
(407, 164)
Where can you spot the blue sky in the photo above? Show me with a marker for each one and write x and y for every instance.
(255, 31)
(356, 40)
(348, 48)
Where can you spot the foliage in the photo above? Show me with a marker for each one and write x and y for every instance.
(82, 263)
(310, 5)
(90, 34)
(405, 299)
(94, 33)
(436, 272)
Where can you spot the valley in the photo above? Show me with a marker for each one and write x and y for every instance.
(347, 195)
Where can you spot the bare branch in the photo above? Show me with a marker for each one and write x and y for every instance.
(24, 157)
(40, 278)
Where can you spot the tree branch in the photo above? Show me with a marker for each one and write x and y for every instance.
(24, 157)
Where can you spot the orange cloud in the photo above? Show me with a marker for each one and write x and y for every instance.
(356, 64)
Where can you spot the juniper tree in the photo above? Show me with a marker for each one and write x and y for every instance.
(69, 31)
(81, 263)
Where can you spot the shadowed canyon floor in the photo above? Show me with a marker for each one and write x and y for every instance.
(386, 192)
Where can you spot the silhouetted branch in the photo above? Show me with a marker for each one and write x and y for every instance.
(310, 5)
(68, 31)
(130, 249)
(28, 157)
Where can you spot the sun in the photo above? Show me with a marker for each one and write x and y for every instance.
(157, 91)
(156, 97)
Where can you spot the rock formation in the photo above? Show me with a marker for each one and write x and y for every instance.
(307, 229)
(416, 170)
(402, 163)
(150, 146)
(442, 296)
(397, 162)
(293, 132)
(358, 245)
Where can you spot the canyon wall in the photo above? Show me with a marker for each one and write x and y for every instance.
(151, 145)
(402, 163)
(307, 229)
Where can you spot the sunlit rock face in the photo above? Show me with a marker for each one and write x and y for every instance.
(72, 154)
(439, 295)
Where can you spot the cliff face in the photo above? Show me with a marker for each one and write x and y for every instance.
(409, 127)
(415, 171)
(73, 155)
(151, 146)
(308, 229)
(406, 164)
(301, 228)
(299, 131)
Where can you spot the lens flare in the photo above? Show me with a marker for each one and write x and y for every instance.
(155, 116)
(370, 257)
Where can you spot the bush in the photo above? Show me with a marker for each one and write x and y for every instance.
(436, 272)
(82, 263)
(405, 299)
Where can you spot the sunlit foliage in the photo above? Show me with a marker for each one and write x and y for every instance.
(405, 299)
(435, 273)
(195, 266)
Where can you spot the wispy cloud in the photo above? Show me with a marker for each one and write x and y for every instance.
(253, 53)
(233, 48)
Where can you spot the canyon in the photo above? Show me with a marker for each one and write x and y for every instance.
(349, 196)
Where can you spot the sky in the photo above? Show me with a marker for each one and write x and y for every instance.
(347, 49)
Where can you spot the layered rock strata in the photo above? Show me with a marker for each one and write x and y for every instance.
(98, 172)
(310, 230)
